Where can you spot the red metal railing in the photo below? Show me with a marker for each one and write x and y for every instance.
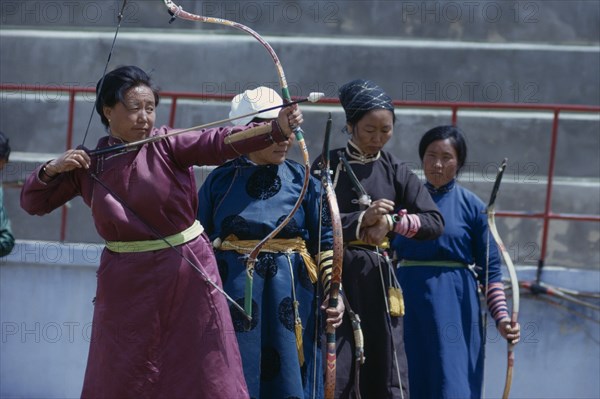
(546, 215)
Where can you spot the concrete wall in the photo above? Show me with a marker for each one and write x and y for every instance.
(46, 292)
(227, 64)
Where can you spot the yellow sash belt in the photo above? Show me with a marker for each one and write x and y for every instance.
(152, 245)
(275, 245)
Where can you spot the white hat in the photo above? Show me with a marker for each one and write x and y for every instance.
(254, 100)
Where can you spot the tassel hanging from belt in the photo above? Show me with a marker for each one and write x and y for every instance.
(286, 246)
(396, 301)
(298, 322)
(395, 297)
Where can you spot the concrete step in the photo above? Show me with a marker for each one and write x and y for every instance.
(416, 70)
(523, 137)
(543, 21)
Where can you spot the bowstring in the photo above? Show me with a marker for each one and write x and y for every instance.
(99, 90)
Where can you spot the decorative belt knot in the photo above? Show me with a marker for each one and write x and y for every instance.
(274, 245)
(182, 237)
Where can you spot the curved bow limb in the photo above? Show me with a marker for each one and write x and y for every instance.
(178, 12)
(512, 274)
(337, 261)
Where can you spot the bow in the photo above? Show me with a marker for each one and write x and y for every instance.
(490, 211)
(338, 253)
(178, 12)
(364, 200)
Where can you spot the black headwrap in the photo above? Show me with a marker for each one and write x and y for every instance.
(361, 96)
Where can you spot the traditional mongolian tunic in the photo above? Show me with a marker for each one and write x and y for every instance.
(443, 335)
(382, 176)
(244, 201)
(159, 329)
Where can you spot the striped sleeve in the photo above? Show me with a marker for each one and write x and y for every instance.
(496, 301)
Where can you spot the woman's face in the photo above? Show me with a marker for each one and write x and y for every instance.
(132, 119)
(440, 163)
(373, 131)
(274, 154)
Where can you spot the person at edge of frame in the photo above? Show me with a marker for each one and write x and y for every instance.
(441, 280)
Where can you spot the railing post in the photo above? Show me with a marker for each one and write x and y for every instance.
(454, 114)
(172, 111)
(548, 204)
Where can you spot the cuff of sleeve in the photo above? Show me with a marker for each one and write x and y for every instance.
(41, 171)
(501, 317)
(391, 221)
(276, 133)
(408, 225)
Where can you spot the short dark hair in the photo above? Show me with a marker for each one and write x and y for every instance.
(117, 83)
(4, 147)
(451, 132)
